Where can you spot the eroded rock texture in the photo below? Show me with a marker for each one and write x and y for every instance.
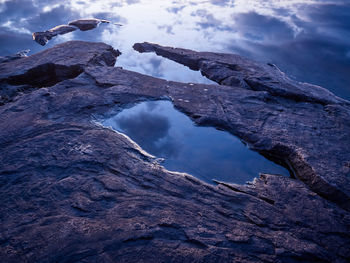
(304, 126)
(73, 191)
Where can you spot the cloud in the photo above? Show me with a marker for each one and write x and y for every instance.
(150, 130)
(208, 21)
(16, 9)
(222, 2)
(175, 9)
(256, 27)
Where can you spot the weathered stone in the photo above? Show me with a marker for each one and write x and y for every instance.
(304, 126)
(87, 24)
(43, 37)
(74, 191)
(237, 71)
(52, 66)
(83, 24)
(18, 55)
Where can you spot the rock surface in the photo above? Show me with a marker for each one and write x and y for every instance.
(73, 191)
(20, 54)
(304, 126)
(83, 24)
(52, 66)
(87, 24)
(43, 37)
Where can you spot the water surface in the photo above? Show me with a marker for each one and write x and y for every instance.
(308, 39)
(204, 152)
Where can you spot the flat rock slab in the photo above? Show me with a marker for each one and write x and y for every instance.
(304, 126)
(43, 37)
(87, 24)
(83, 24)
(52, 66)
(73, 191)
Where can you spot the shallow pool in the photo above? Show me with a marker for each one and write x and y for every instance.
(204, 152)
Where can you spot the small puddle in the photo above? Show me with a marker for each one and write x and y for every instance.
(204, 152)
(159, 67)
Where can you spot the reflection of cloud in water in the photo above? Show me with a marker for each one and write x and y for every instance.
(144, 125)
(202, 151)
(255, 27)
(296, 34)
(150, 130)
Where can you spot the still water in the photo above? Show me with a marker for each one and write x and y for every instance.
(204, 152)
(308, 39)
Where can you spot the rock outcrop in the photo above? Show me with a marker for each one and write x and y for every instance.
(52, 66)
(73, 191)
(43, 37)
(83, 24)
(304, 126)
(87, 24)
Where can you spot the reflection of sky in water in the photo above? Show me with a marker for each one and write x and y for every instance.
(201, 151)
(308, 39)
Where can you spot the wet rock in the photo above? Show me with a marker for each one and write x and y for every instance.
(304, 126)
(83, 24)
(234, 70)
(72, 190)
(18, 55)
(87, 24)
(43, 37)
(52, 66)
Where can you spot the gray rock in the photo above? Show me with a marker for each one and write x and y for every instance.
(74, 191)
(51, 66)
(87, 24)
(303, 126)
(18, 55)
(83, 24)
(43, 37)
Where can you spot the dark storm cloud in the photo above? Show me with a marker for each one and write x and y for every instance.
(16, 9)
(318, 54)
(258, 27)
(331, 15)
(310, 60)
(11, 42)
(329, 22)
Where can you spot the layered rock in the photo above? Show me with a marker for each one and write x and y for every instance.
(73, 191)
(304, 126)
(52, 66)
